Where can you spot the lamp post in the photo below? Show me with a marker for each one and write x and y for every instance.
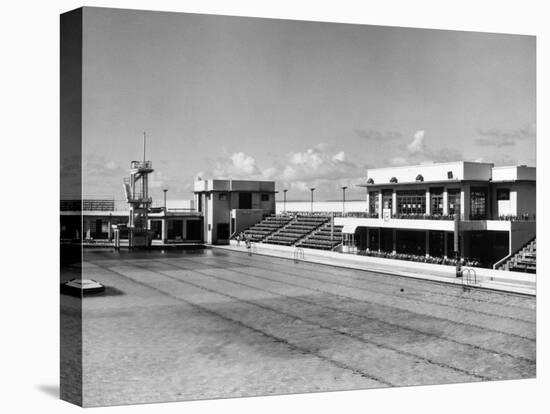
(284, 200)
(312, 190)
(165, 190)
(344, 200)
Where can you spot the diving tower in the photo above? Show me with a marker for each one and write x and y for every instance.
(136, 189)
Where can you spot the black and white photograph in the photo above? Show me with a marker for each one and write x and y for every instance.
(273, 206)
(263, 206)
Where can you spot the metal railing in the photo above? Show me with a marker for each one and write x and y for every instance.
(141, 164)
(298, 254)
(469, 277)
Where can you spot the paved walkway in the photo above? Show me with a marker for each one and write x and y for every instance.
(513, 282)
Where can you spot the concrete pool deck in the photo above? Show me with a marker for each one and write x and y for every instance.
(214, 323)
(513, 282)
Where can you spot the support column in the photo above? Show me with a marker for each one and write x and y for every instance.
(445, 247)
(109, 229)
(380, 241)
(394, 203)
(164, 230)
(394, 239)
(465, 202)
(445, 202)
(380, 205)
(428, 204)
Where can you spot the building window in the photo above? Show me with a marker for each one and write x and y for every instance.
(265, 197)
(411, 202)
(245, 201)
(453, 200)
(478, 203)
(175, 229)
(436, 200)
(222, 196)
(373, 202)
(503, 194)
(387, 199)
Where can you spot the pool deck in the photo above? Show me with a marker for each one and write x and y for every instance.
(215, 323)
(513, 282)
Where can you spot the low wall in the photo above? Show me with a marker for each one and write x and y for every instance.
(525, 281)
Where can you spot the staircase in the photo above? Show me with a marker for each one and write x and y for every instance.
(295, 231)
(269, 225)
(321, 238)
(525, 260)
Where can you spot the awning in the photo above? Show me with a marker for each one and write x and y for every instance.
(349, 228)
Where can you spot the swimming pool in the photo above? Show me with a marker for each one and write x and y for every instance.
(216, 323)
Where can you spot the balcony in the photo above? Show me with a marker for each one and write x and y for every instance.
(434, 223)
(141, 165)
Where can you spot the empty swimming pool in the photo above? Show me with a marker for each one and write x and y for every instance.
(215, 323)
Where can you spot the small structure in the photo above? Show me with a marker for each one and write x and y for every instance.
(232, 206)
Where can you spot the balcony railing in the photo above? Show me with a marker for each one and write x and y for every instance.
(522, 217)
(449, 217)
(141, 165)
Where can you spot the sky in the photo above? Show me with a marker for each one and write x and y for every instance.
(306, 104)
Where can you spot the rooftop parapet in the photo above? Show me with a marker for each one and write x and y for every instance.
(449, 171)
(514, 172)
(234, 185)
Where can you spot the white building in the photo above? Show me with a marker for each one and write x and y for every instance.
(231, 206)
(410, 209)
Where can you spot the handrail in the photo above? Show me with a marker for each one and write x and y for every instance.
(469, 274)
(509, 256)
(298, 254)
(503, 260)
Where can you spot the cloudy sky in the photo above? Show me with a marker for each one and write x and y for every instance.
(302, 103)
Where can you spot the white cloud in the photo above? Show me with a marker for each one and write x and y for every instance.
(417, 146)
(418, 151)
(243, 163)
(341, 156)
(237, 166)
(318, 166)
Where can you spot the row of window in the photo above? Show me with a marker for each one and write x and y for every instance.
(263, 196)
(414, 201)
(245, 199)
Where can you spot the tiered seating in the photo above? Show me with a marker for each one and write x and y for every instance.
(264, 228)
(525, 260)
(321, 239)
(301, 227)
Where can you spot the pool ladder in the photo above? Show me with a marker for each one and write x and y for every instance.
(298, 254)
(469, 277)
